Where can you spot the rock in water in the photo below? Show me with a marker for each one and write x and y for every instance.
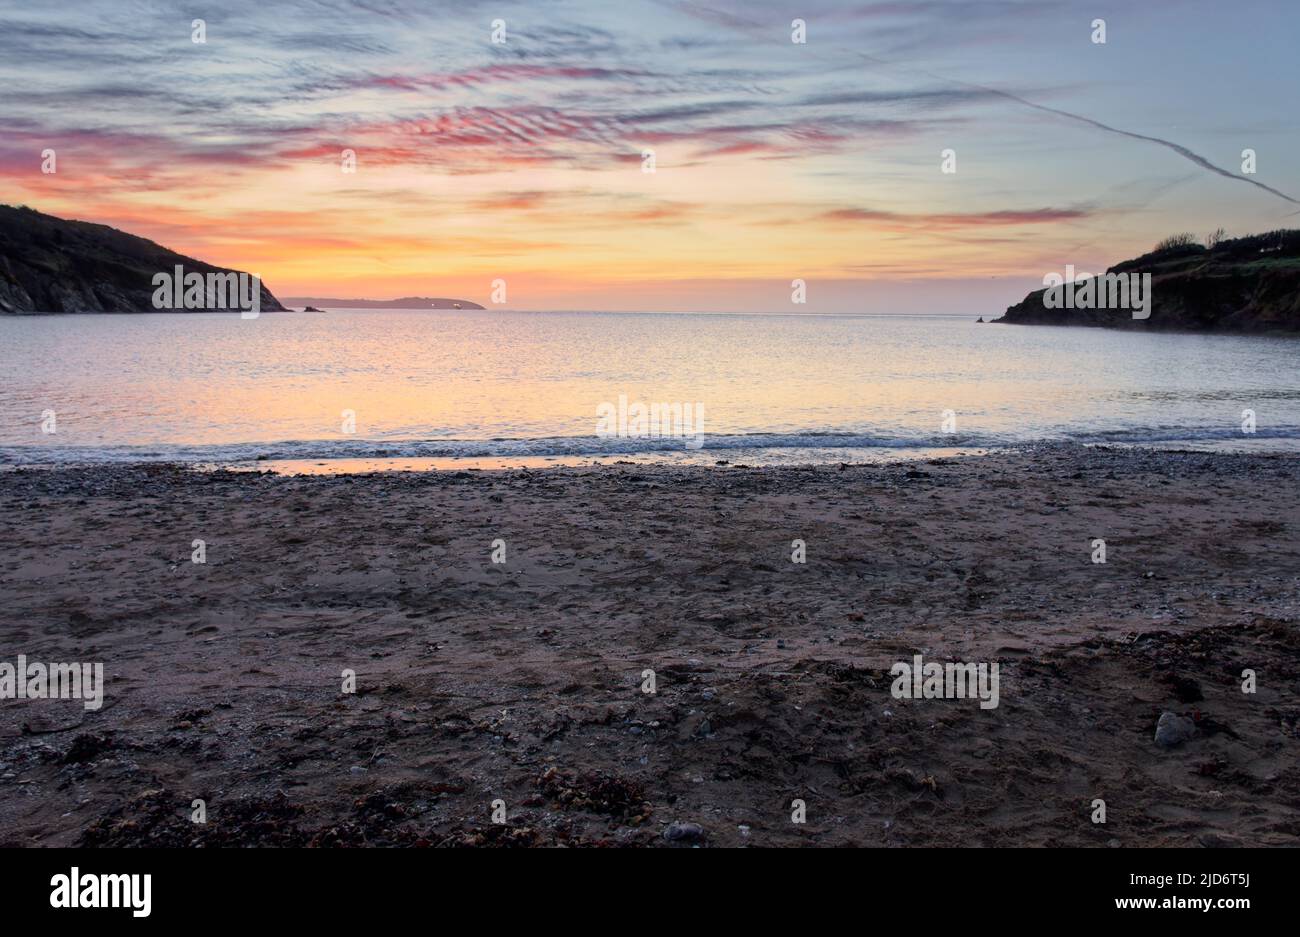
(1173, 729)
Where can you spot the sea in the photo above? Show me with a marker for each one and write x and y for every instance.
(361, 389)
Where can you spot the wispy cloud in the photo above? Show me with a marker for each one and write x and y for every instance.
(995, 218)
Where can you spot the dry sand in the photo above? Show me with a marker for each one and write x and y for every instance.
(523, 682)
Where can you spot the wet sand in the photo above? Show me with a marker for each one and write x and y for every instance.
(522, 682)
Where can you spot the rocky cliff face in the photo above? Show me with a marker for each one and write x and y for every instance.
(48, 264)
(1249, 284)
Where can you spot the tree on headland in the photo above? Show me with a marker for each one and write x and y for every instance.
(1177, 240)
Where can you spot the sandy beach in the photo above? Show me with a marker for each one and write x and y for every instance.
(523, 681)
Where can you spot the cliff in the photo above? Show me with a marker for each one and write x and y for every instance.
(48, 264)
(1244, 285)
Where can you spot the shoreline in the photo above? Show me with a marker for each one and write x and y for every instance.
(792, 457)
(523, 681)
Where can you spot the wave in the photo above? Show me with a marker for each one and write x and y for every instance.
(570, 446)
(1162, 434)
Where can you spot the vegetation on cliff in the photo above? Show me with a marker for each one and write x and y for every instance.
(48, 264)
(1247, 284)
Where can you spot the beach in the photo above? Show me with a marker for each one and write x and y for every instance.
(521, 686)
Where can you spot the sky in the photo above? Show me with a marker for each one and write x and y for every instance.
(523, 160)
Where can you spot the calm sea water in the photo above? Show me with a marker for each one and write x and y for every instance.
(433, 384)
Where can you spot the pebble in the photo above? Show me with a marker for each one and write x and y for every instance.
(684, 833)
(1173, 729)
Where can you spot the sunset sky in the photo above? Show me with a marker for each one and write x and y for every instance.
(774, 160)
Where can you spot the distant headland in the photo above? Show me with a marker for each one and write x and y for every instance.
(405, 302)
(1243, 285)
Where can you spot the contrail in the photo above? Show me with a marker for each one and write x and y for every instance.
(1176, 147)
(738, 22)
